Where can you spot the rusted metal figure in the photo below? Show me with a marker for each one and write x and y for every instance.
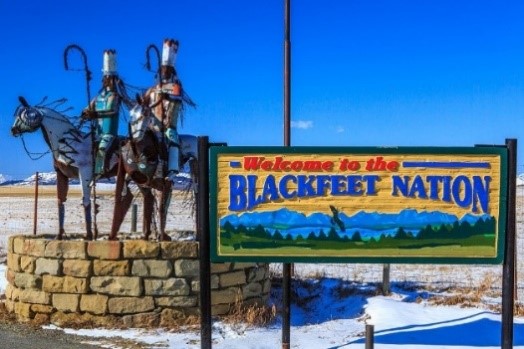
(138, 162)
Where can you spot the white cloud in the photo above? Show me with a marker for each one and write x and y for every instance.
(302, 124)
(340, 129)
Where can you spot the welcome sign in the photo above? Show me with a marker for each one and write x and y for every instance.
(324, 204)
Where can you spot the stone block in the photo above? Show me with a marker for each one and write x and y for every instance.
(232, 279)
(110, 268)
(220, 309)
(266, 287)
(25, 280)
(220, 267)
(13, 262)
(66, 249)
(178, 301)
(251, 290)
(195, 284)
(18, 244)
(117, 285)
(41, 319)
(187, 267)
(179, 249)
(141, 249)
(47, 266)
(111, 250)
(10, 276)
(64, 284)
(10, 306)
(27, 264)
(228, 296)
(10, 291)
(42, 308)
(256, 274)
(94, 303)
(152, 268)
(66, 302)
(34, 296)
(242, 266)
(23, 310)
(34, 247)
(75, 267)
(53, 283)
(10, 243)
(166, 287)
(75, 285)
(130, 305)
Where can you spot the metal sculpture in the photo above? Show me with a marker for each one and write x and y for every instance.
(72, 158)
(138, 162)
(72, 154)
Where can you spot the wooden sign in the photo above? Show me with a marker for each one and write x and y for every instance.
(327, 204)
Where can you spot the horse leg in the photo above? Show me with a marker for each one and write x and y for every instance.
(122, 202)
(84, 174)
(163, 206)
(62, 187)
(149, 203)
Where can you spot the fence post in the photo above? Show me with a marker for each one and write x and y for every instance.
(385, 279)
(370, 341)
(35, 217)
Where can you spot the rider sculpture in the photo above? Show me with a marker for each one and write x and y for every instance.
(105, 107)
(165, 100)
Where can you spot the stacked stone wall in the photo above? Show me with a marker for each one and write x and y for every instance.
(132, 282)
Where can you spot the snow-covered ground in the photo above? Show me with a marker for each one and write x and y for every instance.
(335, 316)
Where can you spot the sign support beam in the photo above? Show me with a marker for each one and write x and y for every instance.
(204, 249)
(508, 269)
(286, 267)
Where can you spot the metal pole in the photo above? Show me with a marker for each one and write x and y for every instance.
(508, 268)
(286, 267)
(36, 204)
(133, 218)
(287, 74)
(203, 233)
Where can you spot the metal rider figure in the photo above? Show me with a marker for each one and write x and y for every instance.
(165, 100)
(106, 108)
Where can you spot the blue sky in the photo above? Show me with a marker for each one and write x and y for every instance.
(364, 73)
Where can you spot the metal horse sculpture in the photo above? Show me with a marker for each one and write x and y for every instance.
(72, 157)
(138, 162)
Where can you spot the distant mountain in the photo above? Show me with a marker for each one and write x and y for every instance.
(520, 179)
(182, 182)
(4, 178)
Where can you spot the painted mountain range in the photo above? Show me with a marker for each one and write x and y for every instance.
(369, 224)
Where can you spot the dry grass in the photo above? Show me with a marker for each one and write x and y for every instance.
(255, 314)
(252, 315)
(468, 297)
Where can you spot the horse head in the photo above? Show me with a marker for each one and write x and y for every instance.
(27, 118)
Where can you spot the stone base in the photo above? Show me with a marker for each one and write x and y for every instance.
(121, 283)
